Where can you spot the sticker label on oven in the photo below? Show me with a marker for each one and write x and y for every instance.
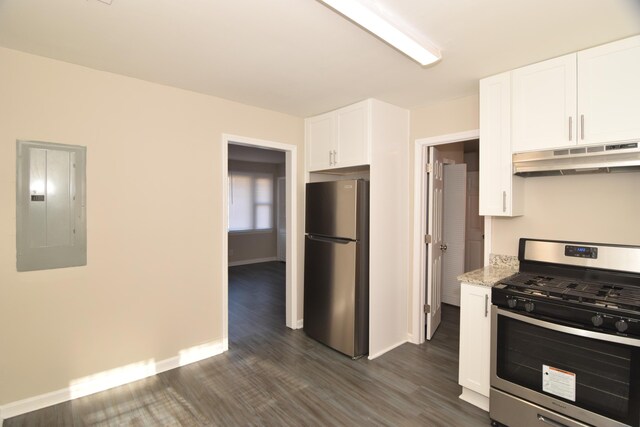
(559, 382)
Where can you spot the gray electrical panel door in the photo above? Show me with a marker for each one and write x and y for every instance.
(51, 208)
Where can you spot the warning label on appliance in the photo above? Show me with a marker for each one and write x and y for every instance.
(559, 382)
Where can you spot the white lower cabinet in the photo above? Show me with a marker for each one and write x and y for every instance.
(475, 344)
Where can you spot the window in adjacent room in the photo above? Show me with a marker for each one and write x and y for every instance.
(250, 201)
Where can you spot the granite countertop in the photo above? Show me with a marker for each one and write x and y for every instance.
(500, 266)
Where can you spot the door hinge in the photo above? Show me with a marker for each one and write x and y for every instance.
(428, 168)
(427, 309)
(427, 239)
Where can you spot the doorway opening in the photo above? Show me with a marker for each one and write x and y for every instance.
(256, 218)
(449, 231)
(259, 204)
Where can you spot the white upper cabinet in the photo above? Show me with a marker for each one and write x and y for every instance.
(321, 141)
(500, 190)
(340, 138)
(609, 92)
(590, 97)
(544, 105)
(353, 135)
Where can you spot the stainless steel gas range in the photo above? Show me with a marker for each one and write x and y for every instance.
(566, 337)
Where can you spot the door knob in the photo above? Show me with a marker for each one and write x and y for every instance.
(443, 247)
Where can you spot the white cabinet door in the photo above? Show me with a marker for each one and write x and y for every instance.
(340, 138)
(475, 338)
(500, 190)
(320, 141)
(544, 105)
(353, 135)
(609, 92)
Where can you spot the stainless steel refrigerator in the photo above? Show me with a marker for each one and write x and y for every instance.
(336, 265)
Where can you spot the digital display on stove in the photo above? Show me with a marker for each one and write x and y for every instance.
(581, 251)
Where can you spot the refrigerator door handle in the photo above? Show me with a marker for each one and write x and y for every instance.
(337, 240)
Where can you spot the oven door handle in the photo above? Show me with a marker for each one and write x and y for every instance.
(634, 342)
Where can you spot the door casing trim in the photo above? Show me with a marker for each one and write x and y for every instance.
(291, 172)
(418, 281)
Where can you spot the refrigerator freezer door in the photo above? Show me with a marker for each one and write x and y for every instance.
(332, 208)
(335, 300)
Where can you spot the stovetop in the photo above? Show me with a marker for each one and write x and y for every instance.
(597, 294)
(597, 306)
(586, 285)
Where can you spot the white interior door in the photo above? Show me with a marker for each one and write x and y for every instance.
(434, 251)
(281, 220)
(474, 247)
(453, 234)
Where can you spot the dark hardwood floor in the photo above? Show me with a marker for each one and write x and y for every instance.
(274, 376)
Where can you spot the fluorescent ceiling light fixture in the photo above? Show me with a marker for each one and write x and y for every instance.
(368, 19)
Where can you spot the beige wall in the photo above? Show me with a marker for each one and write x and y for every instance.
(255, 245)
(452, 116)
(472, 160)
(152, 286)
(453, 152)
(587, 208)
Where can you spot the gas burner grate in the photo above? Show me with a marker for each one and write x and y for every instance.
(539, 281)
(604, 295)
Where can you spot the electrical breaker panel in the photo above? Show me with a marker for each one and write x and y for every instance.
(51, 208)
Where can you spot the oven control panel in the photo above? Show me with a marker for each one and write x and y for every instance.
(581, 251)
(566, 312)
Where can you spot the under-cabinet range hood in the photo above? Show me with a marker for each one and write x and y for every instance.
(608, 158)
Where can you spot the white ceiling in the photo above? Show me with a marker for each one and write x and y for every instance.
(300, 57)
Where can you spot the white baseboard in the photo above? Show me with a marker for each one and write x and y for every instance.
(383, 351)
(300, 324)
(410, 339)
(475, 399)
(252, 261)
(112, 378)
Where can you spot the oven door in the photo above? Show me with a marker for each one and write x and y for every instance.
(589, 376)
